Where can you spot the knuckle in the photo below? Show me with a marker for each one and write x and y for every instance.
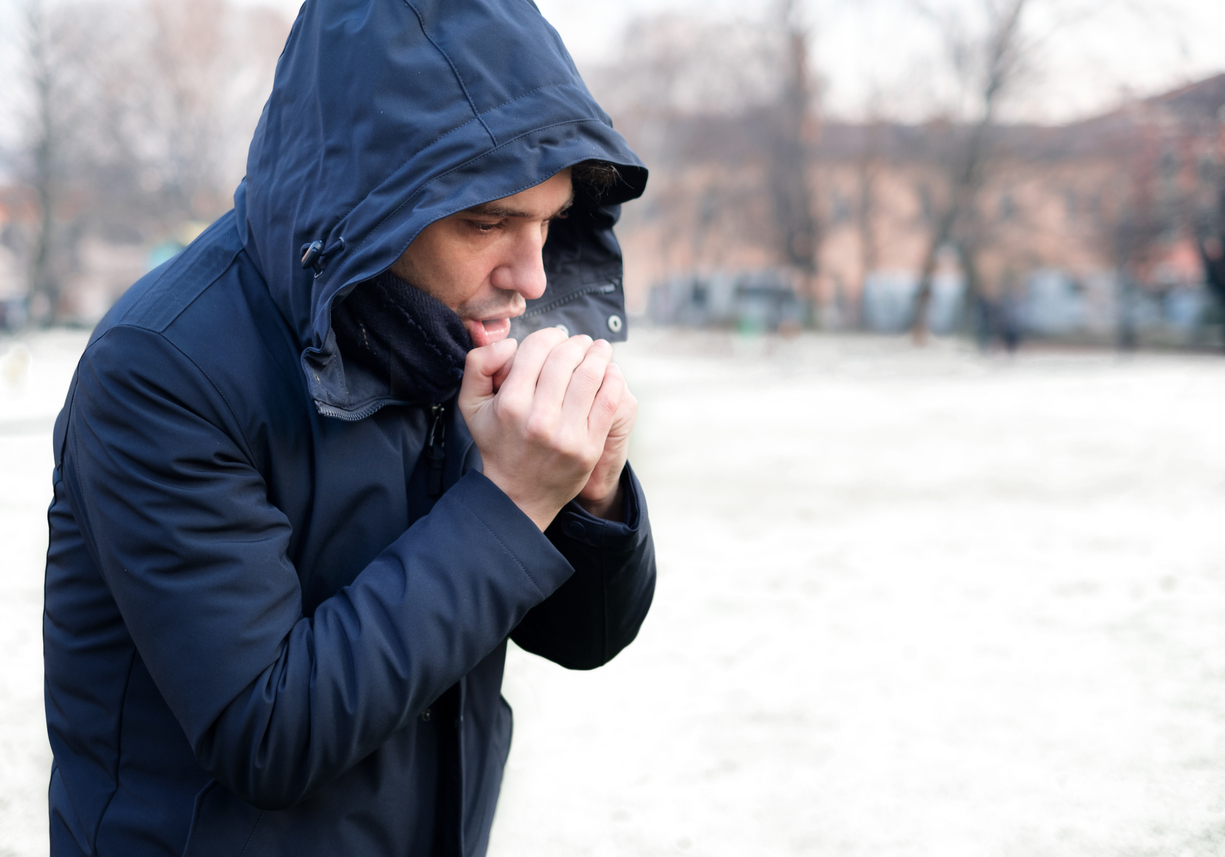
(514, 409)
(576, 346)
(583, 454)
(567, 449)
(589, 374)
(549, 337)
(609, 407)
(538, 427)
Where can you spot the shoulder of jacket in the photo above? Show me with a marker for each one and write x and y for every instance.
(186, 333)
(200, 312)
(162, 295)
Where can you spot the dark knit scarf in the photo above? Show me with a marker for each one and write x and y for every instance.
(399, 334)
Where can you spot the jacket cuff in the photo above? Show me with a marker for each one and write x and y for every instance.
(613, 536)
(513, 529)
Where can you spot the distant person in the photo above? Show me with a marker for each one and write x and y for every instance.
(984, 321)
(306, 483)
(1008, 320)
(1212, 251)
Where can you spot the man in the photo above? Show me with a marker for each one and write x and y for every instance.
(279, 585)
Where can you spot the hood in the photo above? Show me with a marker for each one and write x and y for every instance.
(386, 115)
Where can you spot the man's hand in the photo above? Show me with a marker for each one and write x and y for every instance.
(551, 418)
(601, 496)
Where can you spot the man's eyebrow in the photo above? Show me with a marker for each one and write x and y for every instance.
(497, 209)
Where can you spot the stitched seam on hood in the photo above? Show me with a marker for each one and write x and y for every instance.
(523, 95)
(454, 70)
(395, 211)
(476, 118)
(341, 217)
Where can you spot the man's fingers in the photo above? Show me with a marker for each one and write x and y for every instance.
(570, 377)
(520, 383)
(607, 402)
(499, 377)
(481, 369)
(583, 383)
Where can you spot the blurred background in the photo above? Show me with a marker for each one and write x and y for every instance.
(928, 308)
(1005, 168)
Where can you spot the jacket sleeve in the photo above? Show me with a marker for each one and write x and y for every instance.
(598, 611)
(178, 522)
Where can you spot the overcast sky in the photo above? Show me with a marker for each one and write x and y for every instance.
(861, 47)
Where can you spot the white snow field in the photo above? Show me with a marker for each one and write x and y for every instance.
(910, 604)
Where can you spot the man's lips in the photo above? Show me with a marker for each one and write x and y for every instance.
(484, 332)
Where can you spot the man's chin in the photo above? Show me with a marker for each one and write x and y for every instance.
(487, 332)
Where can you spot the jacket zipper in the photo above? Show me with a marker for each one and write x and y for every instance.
(435, 449)
(354, 416)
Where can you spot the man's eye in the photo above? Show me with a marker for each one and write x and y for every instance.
(484, 227)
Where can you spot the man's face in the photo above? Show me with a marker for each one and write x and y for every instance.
(485, 262)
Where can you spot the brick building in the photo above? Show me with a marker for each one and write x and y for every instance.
(1123, 196)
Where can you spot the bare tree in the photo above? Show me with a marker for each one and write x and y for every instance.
(48, 41)
(696, 97)
(724, 112)
(869, 167)
(1164, 196)
(135, 118)
(178, 104)
(789, 180)
(990, 67)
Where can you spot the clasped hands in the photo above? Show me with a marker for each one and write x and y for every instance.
(552, 419)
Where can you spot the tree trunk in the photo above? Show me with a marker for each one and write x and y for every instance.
(967, 176)
(790, 188)
(44, 285)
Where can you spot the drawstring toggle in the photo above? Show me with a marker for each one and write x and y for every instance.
(314, 254)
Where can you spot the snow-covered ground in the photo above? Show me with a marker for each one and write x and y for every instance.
(910, 603)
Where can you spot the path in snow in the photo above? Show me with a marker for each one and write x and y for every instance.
(910, 603)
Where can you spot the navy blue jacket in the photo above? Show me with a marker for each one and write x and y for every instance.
(264, 633)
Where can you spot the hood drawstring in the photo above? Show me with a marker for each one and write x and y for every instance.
(314, 254)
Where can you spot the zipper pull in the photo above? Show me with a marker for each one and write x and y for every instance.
(435, 449)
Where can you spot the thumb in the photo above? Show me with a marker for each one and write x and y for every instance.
(480, 369)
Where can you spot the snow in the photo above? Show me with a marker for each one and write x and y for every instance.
(910, 603)
(34, 376)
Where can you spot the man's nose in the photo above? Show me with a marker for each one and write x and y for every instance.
(522, 270)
